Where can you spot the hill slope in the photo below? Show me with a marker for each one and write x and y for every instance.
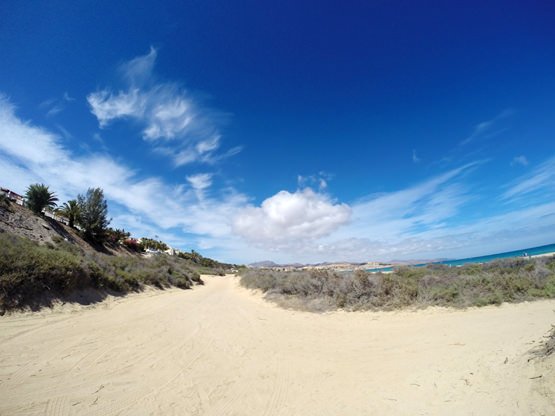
(42, 261)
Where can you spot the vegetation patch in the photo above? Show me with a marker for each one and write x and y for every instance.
(503, 280)
(35, 275)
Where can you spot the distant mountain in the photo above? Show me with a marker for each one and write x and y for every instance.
(296, 265)
(265, 263)
(269, 263)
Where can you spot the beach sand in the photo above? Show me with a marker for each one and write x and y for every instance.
(220, 349)
(544, 255)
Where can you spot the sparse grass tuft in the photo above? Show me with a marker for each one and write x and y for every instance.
(5, 203)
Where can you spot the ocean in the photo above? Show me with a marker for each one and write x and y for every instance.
(534, 251)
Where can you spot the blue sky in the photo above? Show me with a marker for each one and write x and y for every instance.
(291, 131)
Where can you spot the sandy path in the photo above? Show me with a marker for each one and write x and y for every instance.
(220, 350)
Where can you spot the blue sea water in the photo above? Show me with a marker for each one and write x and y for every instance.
(534, 251)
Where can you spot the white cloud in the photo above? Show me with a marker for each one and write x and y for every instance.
(200, 181)
(441, 217)
(51, 106)
(106, 106)
(24, 141)
(319, 180)
(207, 145)
(519, 160)
(415, 158)
(285, 219)
(408, 211)
(431, 219)
(64, 132)
(54, 106)
(171, 119)
(485, 129)
(542, 178)
(31, 154)
(138, 71)
(54, 110)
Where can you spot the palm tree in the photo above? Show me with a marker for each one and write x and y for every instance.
(71, 211)
(39, 197)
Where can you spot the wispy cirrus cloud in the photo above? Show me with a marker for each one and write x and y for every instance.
(519, 160)
(378, 227)
(438, 217)
(171, 119)
(318, 181)
(200, 182)
(415, 158)
(53, 106)
(541, 178)
(31, 154)
(488, 128)
(398, 215)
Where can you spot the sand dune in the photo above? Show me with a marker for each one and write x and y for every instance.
(222, 350)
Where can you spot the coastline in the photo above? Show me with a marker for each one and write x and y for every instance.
(552, 254)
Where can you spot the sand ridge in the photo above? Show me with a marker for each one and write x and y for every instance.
(220, 349)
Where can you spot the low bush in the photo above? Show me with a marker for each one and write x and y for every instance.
(505, 280)
(34, 275)
(5, 203)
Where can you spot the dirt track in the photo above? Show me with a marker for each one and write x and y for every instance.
(221, 350)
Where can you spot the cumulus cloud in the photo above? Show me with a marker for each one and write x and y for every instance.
(286, 219)
(424, 220)
(171, 119)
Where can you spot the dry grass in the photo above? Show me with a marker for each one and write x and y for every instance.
(503, 280)
(33, 275)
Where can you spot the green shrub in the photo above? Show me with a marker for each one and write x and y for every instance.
(31, 274)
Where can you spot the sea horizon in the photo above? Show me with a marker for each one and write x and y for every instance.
(526, 252)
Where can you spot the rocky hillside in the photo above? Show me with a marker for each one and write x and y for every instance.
(20, 221)
(43, 261)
